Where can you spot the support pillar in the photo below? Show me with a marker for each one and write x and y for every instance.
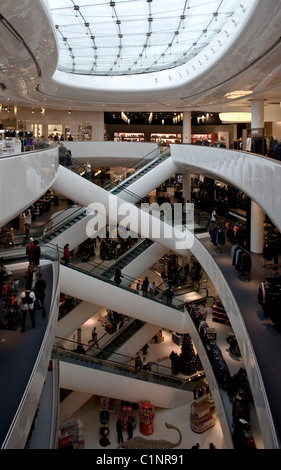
(186, 128)
(257, 228)
(186, 139)
(257, 214)
(186, 187)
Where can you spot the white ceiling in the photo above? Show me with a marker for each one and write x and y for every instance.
(248, 60)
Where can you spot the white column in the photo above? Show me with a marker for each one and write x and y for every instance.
(186, 128)
(257, 214)
(186, 139)
(98, 127)
(257, 228)
(186, 187)
(257, 114)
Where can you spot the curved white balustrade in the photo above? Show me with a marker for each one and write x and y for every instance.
(76, 188)
(257, 176)
(28, 176)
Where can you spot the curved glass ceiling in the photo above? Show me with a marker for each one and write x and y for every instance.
(127, 37)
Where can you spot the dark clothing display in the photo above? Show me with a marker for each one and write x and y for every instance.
(217, 236)
(269, 297)
(241, 259)
(277, 152)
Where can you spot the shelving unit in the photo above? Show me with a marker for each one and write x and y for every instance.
(166, 138)
(211, 138)
(128, 137)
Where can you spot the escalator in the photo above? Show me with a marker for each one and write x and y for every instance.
(140, 171)
(86, 370)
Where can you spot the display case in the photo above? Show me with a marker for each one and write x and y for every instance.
(204, 137)
(166, 139)
(128, 137)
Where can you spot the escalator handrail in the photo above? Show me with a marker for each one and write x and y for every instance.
(114, 364)
(139, 166)
(180, 305)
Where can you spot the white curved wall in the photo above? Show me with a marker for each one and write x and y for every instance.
(22, 422)
(257, 176)
(30, 174)
(98, 382)
(109, 153)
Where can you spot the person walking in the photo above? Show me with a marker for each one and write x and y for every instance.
(40, 287)
(94, 338)
(26, 303)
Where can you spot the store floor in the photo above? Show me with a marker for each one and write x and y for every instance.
(89, 416)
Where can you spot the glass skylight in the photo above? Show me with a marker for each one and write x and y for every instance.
(128, 37)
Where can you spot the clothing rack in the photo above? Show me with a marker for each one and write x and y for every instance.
(217, 236)
(241, 259)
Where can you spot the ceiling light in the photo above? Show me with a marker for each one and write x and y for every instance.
(237, 94)
(235, 117)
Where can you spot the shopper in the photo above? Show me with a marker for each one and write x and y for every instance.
(40, 287)
(154, 290)
(68, 160)
(138, 363)
(144, 349)
(196, 446)
(94, 338)
(119, 430)
(29, 249)
(145, 286)
(26, 303)
(169, 296)
(66, 254)
(35, 261)
(88, 171)
(118, 275)
(62, 154)
(130, 427)
(80, 349)
(145, 364)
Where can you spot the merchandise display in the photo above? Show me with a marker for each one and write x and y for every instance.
(203, 414)
(146, 418)
(71, 436)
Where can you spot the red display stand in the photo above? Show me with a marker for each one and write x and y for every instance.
(146, 417)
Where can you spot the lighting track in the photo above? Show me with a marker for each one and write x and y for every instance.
(19, 38)
(245, 69)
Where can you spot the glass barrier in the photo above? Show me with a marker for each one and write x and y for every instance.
(124, 365)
